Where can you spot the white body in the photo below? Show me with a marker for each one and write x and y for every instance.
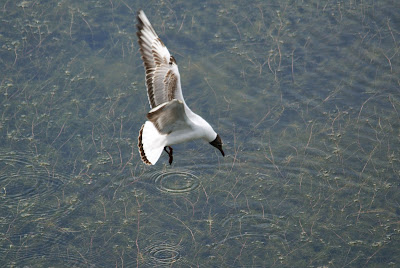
(170, 119)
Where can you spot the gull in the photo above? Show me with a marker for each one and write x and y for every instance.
(170, 121)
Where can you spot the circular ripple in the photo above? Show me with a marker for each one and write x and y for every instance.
(37, 243)
(250, 237)
(254, 222)
(256, 227)
(164, 254)
(30, 187)
(26, 183)
(176, 182)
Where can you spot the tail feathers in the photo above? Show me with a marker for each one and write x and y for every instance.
(151, 143)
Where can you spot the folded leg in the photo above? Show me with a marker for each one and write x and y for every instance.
(171, 158)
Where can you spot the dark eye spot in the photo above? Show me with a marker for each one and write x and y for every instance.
(172, 60)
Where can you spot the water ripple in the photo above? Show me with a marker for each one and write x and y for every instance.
(257, 227)
(29, 189)
(164, 254)
(176, 182)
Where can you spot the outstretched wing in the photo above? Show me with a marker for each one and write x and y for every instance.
(162, 74)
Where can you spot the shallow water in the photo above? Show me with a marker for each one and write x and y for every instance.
(305, 96)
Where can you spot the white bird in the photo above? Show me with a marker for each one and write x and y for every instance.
(170, 121)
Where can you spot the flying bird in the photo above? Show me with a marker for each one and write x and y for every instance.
(170, 120)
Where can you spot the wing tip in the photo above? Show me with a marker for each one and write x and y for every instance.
(140, 146)
(143, 22)
(140, 23)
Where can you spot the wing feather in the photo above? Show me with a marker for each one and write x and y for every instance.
(169, 117)
(162, 74)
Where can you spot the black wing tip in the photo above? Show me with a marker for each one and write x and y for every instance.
(140, 146)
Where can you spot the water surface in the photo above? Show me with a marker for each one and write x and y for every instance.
(305, 95)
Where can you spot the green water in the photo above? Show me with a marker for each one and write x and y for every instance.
(304, 94)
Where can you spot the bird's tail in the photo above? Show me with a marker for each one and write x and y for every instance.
(151, 143)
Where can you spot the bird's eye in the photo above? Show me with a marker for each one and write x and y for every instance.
(171, 60)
